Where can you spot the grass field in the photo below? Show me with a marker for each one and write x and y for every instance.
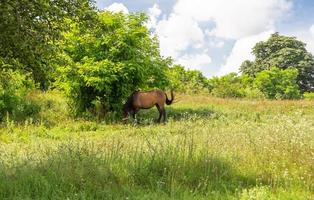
(209, 149)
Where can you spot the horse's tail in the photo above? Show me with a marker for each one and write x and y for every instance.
(169, 101)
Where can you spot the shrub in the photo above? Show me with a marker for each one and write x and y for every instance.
(14, 101)
(271, 84)
(308, 95)
(187, 81)
(278, 84)
(230, 85)
(253, 93)
(53, 107)
(107, 62)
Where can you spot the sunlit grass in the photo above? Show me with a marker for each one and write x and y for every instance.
(210, 148)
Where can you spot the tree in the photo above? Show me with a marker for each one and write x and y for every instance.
(28, 30)
(229, 85)
(278, 84)
(196, 81)
(106, 63)
(285, 53)
(248, 68)
(186, 81)
(176, 76)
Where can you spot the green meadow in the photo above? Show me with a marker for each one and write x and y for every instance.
(70, 68)
(210, 148)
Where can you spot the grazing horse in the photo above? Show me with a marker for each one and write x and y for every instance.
(145, 100)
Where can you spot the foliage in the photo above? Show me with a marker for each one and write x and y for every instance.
(53, 108)
(283, 52)
(106, 63)
(309, 95)
(248, 68)
(230, 85)
(187, 81)
(14, 102)
(28, 30)
(278, 84)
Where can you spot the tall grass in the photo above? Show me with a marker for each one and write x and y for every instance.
(209, 149)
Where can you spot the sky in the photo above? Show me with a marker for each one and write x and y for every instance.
(216, 36)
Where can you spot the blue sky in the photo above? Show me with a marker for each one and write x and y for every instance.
(216, 36)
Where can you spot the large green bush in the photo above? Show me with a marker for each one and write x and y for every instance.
(278, 84)
(14, 90)
(271, 84)
(230, 85)
(187, 81)
(107, 62)
(234, 86)
(308, 95)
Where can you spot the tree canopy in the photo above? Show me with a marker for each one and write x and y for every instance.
(28, 30)
(283, 52)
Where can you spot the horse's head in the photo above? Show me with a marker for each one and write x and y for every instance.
(128, 107)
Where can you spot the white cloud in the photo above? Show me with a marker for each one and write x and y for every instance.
(246, 21)
(216, 43)
(194, 61)
(117, 7)
(312, 30)
(306, 36)
(243, 47)
(235, 19)
(178, 33)
(242, 51)
(310, 40)
(310, 45)
(153, 13)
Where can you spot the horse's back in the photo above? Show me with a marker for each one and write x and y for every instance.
(149, 99)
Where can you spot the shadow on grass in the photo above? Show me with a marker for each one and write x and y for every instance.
(176, 114)
(81, 172)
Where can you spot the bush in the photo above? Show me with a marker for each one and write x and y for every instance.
(14, 101)
(187, 81)
(253, 93)
(278, 84)
(308, 95)
(107, 62)
(271, 84)
(230, 85)
(53, 107)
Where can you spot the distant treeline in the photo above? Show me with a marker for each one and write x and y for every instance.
(97, 58)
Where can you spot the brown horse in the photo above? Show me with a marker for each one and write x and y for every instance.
(145, 100)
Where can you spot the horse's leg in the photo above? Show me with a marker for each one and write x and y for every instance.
(160, 112)
(135, 110)
(164, 113)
